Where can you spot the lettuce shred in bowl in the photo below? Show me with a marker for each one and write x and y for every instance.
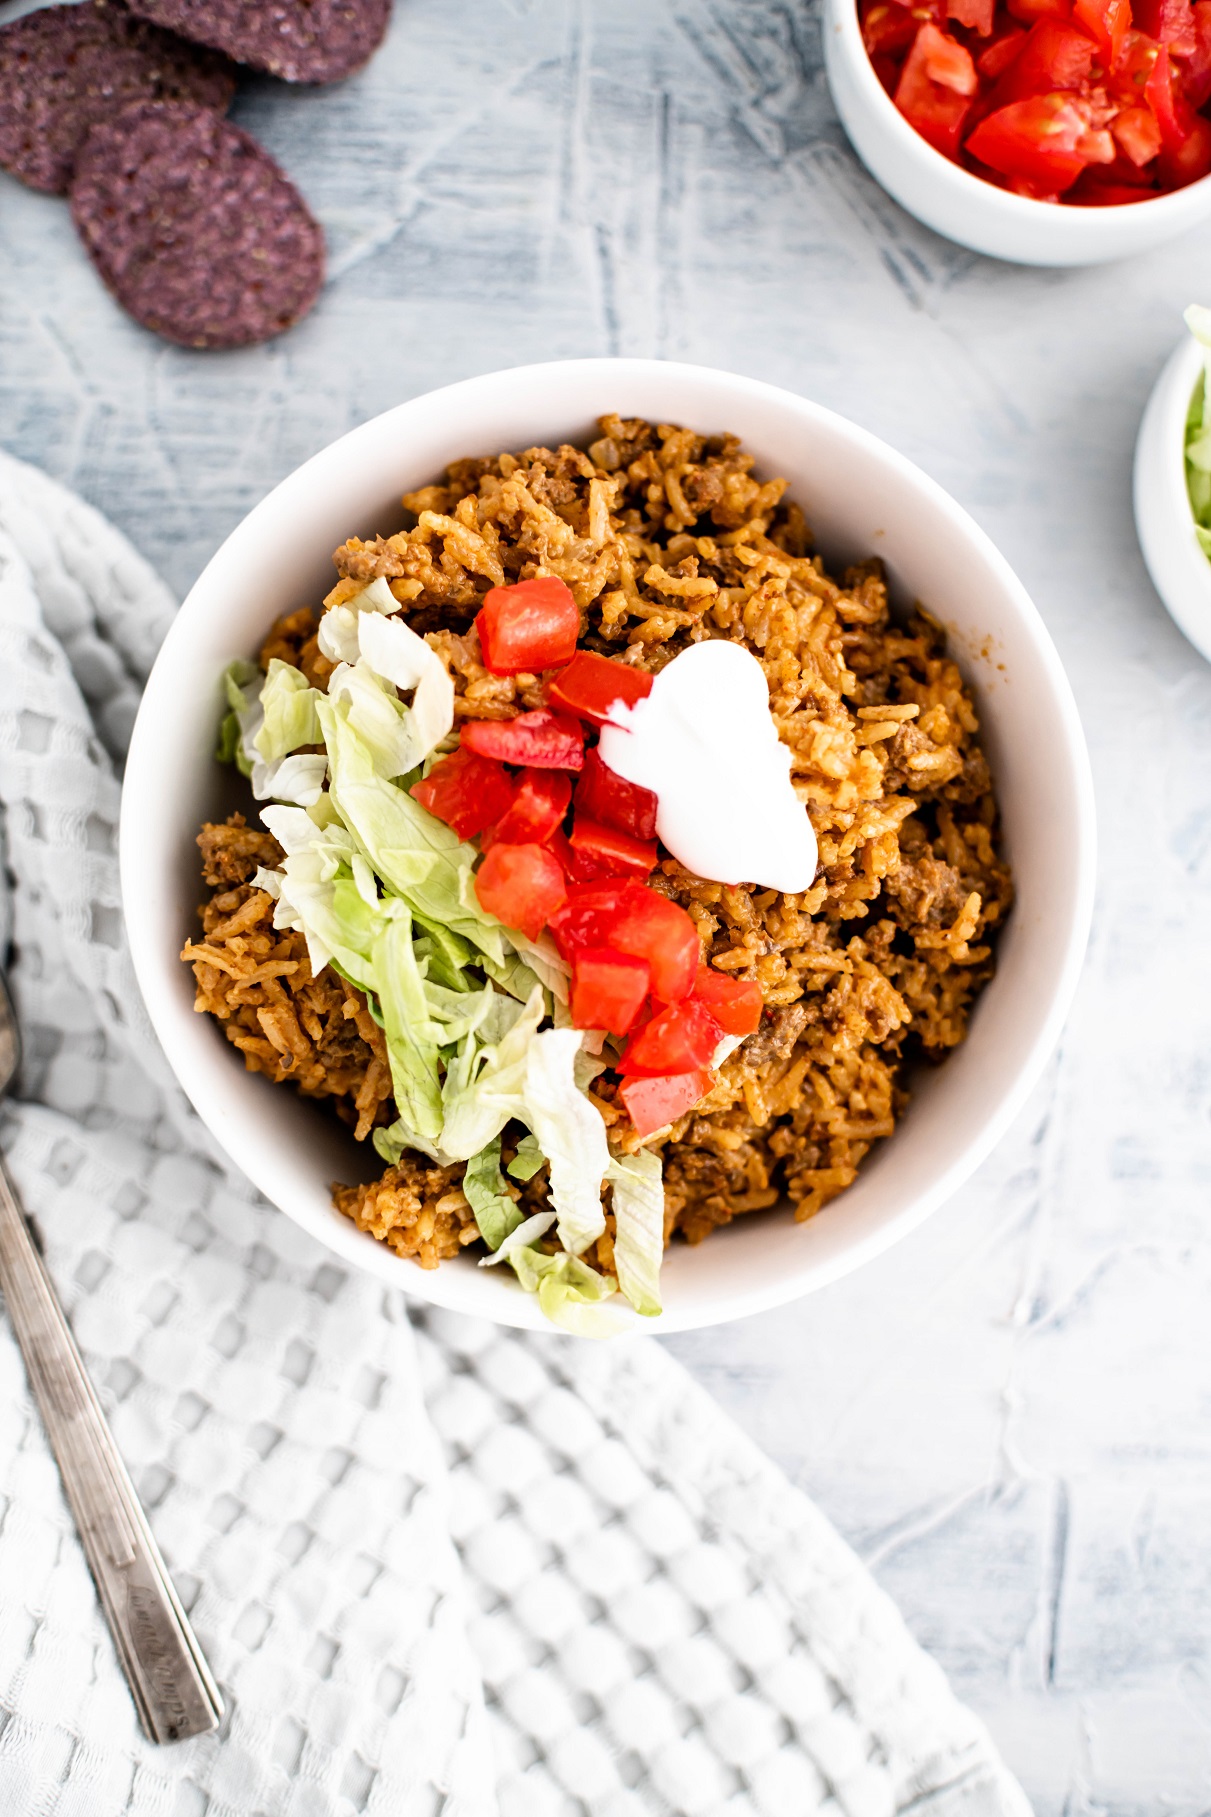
(347, 948)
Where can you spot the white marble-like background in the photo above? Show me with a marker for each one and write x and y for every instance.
(1010, 1415)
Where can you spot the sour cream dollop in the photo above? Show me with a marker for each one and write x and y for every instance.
(706, 745)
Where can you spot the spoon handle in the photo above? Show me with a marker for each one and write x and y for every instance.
(172, 1687)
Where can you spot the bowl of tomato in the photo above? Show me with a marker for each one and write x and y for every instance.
(1044, 132)
(861, 496)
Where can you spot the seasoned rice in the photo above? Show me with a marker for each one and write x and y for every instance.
(665, 537)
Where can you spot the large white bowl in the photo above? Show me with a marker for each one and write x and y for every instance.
(1164, 521)
(965, 208)
(861, 497)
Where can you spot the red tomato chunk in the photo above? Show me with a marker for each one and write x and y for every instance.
(466, 791)
(680, 1039)
(528, 627)
(608, 989)
(1098, 103)
(632, 919)
(591, 684)
(652, 1104)
(612, 852)
(538, 806)
(601, 794)
(735, 1003)
(523, 885)
(542, 740)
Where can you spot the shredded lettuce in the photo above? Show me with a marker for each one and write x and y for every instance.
(570, 1131)
(495, 1212)
(1198, 433)
(638, 1182)
(568, 1290)
(528, 1159)
(287, 712)
(384, 893)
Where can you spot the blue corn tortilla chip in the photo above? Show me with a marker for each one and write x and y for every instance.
(194, 228)
(298, 40)
(66, 68)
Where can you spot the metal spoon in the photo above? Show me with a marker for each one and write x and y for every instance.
(173, 1690)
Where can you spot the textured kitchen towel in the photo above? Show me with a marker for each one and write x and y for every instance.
(438, 1567)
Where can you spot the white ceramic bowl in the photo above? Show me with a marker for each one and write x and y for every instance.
(860, 496)
(1164, 521)
(966, 208)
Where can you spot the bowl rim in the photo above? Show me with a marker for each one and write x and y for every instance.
(968, 189)
(440, 1286)
(1164, 516)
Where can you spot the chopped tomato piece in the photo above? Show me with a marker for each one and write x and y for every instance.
(1045, 140)
(661, 932)
(1107, 22)
(735, 1003)
(1136, 130)
(603, 795)
(466, 791)
(579, 867)
(1054, 56)
(1170, 22)
(608, 989)
(994, 61)
(976, 15)
(591, 684)
(530, 626)
(611, 850)
(539, 804)
(935, 87)
(1185, 136)
(1128, 83)
(588, 916)
(523, 885)
(1196, 67)
(1027, 11)
(887, 27)
(653, 1104)
(677, 1040)
(541, 739)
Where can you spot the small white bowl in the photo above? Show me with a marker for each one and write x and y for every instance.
(1164, 521)
(861, 497)
(965, 208)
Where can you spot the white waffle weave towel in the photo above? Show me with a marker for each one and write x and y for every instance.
(437, 1567)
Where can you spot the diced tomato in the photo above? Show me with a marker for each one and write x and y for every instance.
(613, 852)
(1129, 82)
(887, 27)
(994, 61)
(1045, 140)
(1136, 130)
(935, 87)
(661, 932)
(579, 867)
(541, 739)
(523, 885)
(539, 803)
(1196, 67)
(588, 916)
(1170, 22)
(608, 989)
(1107, 22)
(653, 1104)
(528, 627)
(976, 15)
(603, 795)
(591, 684)
(466, 791)
(735, 1003)
(1185, 136)
(1054, 56)
(1092, 192)
(1027, 11)
(677, 1040)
